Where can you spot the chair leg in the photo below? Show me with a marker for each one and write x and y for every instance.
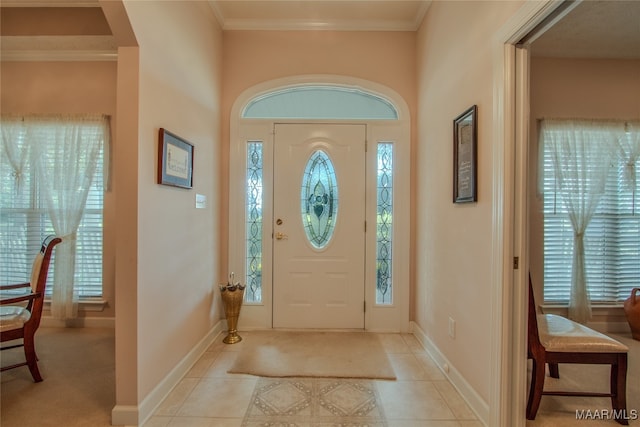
(537, 385)
(554, 371)
(619, 389)
(32, 359)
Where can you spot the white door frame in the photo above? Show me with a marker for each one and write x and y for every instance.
(510, 225)
(392, 318)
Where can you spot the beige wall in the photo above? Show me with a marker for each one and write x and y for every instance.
(454, 242)
(253, 57)
(173, 281)
(175, 80)
(574, 88)
(68, 87)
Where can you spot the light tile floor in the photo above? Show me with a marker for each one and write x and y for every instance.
(421, 396)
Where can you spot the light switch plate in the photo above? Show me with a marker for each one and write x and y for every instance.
(201, 201)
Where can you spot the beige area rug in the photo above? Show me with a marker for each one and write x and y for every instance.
(313, 354)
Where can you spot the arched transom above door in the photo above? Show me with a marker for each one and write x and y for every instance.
(320, 102)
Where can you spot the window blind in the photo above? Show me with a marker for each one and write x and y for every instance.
(612, 240)
(24, 223)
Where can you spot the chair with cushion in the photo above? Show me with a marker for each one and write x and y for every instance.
(554, 339)
(20, 313)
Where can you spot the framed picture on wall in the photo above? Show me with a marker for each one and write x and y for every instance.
(465, 156)
(175, 160)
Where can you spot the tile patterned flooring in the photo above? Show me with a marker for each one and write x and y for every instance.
(421, 396)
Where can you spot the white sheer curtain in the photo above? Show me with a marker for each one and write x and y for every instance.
(15, 146)
(64, 151)
(582, 152)
(629, 143)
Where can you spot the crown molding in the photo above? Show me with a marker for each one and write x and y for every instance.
(424, 7)
(317, 24)
(58, 56)
(50, 3)
(217, 12)
(58, 48)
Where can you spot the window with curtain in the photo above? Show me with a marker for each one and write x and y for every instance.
(34, 190)
(612, 237)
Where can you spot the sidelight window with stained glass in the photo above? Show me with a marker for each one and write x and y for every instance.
(319, 199)
(384, 226)
(253, 229)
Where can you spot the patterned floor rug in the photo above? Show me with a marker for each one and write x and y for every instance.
(314, 402)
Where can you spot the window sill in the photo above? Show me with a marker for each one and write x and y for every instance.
(87, 305)
(600, 309)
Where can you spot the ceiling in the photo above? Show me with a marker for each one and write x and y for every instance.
(593, 28)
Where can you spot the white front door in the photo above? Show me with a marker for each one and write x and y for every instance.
(319, 226)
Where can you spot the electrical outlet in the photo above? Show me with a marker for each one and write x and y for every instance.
(452, 328)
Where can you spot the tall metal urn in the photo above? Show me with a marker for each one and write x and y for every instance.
(232, 296)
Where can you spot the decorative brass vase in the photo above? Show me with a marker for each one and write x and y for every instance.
(632, 311)
(232, 296)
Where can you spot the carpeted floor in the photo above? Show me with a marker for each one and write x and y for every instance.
(313, 354)
(78, 390)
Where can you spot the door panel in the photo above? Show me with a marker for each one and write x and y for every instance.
(318, 271)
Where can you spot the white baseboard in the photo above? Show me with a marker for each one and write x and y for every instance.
(473, 399)
(128, 415)
(124, 415)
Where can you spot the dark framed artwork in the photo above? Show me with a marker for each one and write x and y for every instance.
(175, 160)
(465, 156)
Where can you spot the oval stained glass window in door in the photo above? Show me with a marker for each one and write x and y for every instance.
(319, 199)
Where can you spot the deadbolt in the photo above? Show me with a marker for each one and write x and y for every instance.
(279, 221)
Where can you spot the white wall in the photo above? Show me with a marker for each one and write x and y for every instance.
(453, 250)
(253, 57)
(171, 289)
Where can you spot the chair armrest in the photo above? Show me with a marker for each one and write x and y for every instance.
(22, 298)
(16, 286)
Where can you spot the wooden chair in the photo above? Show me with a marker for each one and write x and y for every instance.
(554, 339)
(20, 315)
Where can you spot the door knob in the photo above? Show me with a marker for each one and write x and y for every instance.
(281, 236)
